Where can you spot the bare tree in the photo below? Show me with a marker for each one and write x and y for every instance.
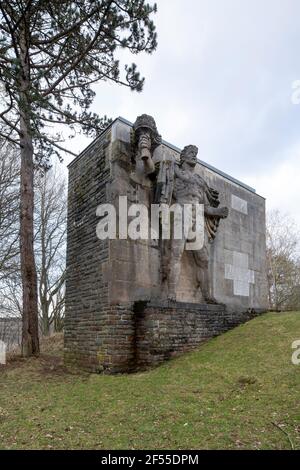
(50, 246)
(9, 244)
(49, 243)
(282, 260)
(51, 53)
(9, 208)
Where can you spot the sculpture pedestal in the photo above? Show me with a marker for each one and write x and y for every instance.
(143, 334)
(167, 329)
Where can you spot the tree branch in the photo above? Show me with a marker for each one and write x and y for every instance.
(81, 55)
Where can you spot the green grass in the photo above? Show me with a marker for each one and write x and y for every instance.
(237, 391)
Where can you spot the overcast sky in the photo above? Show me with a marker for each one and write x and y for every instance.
(222, 78)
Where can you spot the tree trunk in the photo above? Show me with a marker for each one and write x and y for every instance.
(30, 333)
(30, 322)
(45, 321)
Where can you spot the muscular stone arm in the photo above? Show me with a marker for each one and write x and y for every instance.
(221, 212)
(180, 174)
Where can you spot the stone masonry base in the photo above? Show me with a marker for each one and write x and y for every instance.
(146, 334)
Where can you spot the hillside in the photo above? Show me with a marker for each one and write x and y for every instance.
(237, 391)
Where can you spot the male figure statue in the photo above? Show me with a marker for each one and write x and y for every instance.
(190, 188)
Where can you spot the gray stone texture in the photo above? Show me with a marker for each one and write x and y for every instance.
(112, 324)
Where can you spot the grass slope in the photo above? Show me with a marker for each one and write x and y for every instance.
(239, 390)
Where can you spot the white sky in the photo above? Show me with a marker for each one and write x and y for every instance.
(221, 78)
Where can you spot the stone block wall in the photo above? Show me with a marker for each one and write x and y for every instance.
(145, 334)
(112, 323)
(87, 256)
(164, 331)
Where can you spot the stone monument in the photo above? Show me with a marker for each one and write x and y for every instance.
(135, 297)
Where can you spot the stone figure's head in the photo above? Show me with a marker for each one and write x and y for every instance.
(189, 155)
(146, 139)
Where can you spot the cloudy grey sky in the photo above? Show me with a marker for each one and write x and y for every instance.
(221, 78)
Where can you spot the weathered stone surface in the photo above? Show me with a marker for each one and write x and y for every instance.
(112, 323)
(164, 330)
(87, 296)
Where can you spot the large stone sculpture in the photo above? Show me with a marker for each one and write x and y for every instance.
(177, 182)
(181, 184)
(134, 302)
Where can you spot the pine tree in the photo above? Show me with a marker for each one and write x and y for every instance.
(51, 53)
